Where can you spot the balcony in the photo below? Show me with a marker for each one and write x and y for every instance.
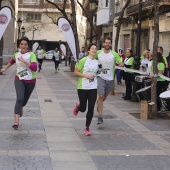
(164, 6)
(103, 17)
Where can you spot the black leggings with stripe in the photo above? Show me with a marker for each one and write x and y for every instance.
(23, 92)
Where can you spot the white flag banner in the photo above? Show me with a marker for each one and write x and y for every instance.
(5, 17)
(67, 31)
(34, 47)
(63, 49)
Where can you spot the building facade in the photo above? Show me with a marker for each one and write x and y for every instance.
(93, 31)
(40, 18)
(105, 14)
(128, 32)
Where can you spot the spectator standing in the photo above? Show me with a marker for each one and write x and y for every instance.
(160, 81)
(144, 59)
(69, 57)
(129, 76)
(118, 71)
(168, 61)
(160, 50)
(82, 54)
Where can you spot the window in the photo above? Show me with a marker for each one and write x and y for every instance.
(33, 17)
(30, 1)
(107, 3)
(57, 1)
(106, 35)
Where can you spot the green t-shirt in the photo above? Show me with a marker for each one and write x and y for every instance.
(161, 67)
(141, 58)
(87, 66)
(23, 71)
(165, 59)
(130, 61)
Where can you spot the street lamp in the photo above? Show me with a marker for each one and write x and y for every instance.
(19, 22)
(137, 57)
(92, 7)
(71, 19)
(22, 31)
(136, 86)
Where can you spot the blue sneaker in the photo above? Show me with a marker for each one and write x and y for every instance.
(100, 120)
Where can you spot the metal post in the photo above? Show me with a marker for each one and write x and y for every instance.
(18, 36)
(137, 57)
(91, 30)
(1, 49)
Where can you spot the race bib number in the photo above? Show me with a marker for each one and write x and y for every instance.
(23, 74)
(91, 80)
(105, 71)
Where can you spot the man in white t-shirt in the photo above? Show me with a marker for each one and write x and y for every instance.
(40, 53)
(107, 60)
(82, 54)
(56, 59)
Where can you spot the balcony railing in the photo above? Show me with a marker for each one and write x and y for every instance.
(31, 1)
(146, 5)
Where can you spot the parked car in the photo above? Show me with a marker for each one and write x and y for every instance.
(49, 55)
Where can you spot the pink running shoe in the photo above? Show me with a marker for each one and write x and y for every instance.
(16, 125)
(87, 132)
(75, 111)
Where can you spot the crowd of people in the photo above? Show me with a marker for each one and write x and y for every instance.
(107, 60)
(146, 65)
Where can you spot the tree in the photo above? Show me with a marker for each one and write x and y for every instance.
(155, 45)
(62, 9)
(87, 15)
(118, 26)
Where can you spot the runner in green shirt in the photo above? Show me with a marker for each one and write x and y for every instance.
(86, 70)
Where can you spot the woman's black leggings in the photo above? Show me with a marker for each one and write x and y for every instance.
(129, 79)
(90, 96)
(56, 64)
(40, 61)
(160, 89)
(23, 92)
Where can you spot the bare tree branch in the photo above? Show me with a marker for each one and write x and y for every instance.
(62, 10)
(155, 45)
(120, 19)
(12, 4)
(87, 16)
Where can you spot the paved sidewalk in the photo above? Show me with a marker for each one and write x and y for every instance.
(51, 138)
